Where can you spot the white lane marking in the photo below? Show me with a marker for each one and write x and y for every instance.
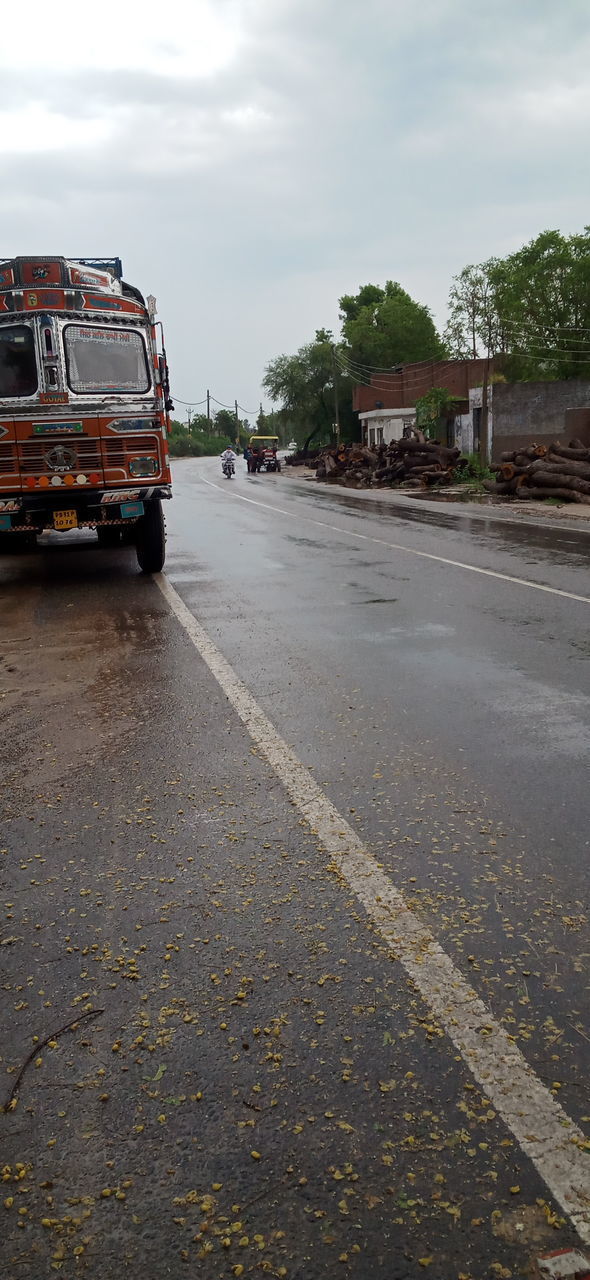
(395, 546)
(564, 1264)
(540, 1125)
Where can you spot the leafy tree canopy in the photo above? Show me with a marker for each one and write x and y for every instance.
(383, 328)
(533, 305)
(303, 384)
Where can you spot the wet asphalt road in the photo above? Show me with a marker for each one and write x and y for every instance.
(264, 1092)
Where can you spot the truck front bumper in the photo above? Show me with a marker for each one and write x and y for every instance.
(35, 512)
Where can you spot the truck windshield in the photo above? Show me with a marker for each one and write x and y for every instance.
(18, 367)
(101, 359)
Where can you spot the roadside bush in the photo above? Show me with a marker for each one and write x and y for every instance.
(475, 469)
(196, 446)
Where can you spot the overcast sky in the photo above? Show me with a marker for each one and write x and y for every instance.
(252, 160)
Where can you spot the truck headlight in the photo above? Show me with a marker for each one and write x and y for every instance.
(143, 467)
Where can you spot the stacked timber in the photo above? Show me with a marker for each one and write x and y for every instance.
(555, 471)
(414, 463)
(302, 457)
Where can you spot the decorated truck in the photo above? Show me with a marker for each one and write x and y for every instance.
(84, 405)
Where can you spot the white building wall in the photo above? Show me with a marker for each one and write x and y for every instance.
(385, 425)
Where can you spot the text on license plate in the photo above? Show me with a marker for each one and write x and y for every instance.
(65, 520)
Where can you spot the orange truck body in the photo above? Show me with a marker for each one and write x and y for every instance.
(84, 397)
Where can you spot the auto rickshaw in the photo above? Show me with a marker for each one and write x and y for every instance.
(263, 453)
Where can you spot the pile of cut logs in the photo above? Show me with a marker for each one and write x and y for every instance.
(302, 457)
(414, 463)
(545, 471)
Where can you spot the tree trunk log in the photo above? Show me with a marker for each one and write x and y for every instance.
(560, 466)
(564, 495)
(564, 482)
(576, 451)
(500, 487)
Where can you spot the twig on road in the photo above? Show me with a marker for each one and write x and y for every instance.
(68, 1026)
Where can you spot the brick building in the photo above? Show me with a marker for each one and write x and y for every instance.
(388, 403)
(518, 413)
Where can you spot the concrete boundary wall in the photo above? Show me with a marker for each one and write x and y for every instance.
(540, 411)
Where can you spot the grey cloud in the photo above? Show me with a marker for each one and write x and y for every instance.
(383, 140)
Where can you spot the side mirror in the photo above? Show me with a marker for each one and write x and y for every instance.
(165, 382)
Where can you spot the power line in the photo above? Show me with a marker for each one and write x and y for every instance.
(537, 340)
(221, 404)
(518, 324)
(194, 404)
(354, 368)
(552, 353)
(231, 406)
(415, 381)
(375, 368)
(411, 382)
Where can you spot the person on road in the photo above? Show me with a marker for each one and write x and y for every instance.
(228, 455)
(247, 456)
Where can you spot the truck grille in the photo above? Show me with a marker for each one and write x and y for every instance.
(117, 451)
(8, 456)
(41, 457)
(9, 476)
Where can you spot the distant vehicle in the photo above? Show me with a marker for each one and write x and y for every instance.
(84, 405)
(263, 453)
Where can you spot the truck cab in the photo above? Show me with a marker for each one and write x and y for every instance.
(84, 405)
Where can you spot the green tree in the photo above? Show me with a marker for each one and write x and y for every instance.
(473, 328)
(433, 411)
(383, 328)
(303, 384)
(224, 424)
(533, 304)
(205, 439)
(542, 296)
(200, 422)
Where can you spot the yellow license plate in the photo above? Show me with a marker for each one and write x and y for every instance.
(65, 520)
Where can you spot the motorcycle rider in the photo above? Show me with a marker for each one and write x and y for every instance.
(228, 455)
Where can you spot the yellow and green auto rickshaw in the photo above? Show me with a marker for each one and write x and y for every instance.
(263, 453)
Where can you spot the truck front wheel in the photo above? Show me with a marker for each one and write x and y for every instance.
(151, 538)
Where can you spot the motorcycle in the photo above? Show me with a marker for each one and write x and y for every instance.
(228, 468)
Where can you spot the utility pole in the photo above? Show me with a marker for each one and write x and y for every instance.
(209, 409)
(237, 423)
(484, 437)
(336, 404)
(188, 418)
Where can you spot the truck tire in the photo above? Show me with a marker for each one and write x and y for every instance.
(151, 538)
(110, 536)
